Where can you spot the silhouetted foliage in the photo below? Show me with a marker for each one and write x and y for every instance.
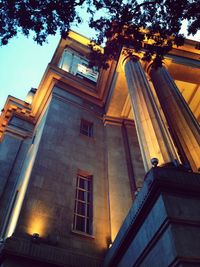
(121, 23)
(42, 17)
(152, 25)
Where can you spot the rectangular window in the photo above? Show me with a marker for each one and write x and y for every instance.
(78, 65)
(83, 205)
(86, 128)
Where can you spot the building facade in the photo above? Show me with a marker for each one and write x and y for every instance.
(74, 154)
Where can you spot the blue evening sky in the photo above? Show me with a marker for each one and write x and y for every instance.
(23, 62)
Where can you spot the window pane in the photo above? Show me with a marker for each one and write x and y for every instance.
(82, 183)
(89, 211)
(90, 131)
(81, 208)
(80, 223)
(88, 197)
(84, 132)
(82, 195)
(77, 65)
(89, 227)
(86, 128)
(89, 187)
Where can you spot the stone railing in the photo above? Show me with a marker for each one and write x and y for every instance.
(45, 253)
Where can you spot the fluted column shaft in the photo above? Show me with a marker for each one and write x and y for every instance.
(183, 126)
(153, 137)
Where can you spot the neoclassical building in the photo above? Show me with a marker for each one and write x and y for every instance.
(100, 167)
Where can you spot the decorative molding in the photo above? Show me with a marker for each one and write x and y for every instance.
(18, 108)
(117, 121)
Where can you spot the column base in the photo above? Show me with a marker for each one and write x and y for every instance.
(163, 226)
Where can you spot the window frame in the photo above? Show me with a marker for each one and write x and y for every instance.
(83, 218)
(86, 128)
(91, 74)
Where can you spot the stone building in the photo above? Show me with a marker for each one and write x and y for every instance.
(77, 186)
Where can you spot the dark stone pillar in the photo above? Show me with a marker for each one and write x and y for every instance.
(162, 227)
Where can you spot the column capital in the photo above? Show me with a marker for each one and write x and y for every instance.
(128, 55)
(150, 65)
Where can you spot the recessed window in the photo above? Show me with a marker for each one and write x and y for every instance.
(86, 128)
(83, 205)
(78, 65)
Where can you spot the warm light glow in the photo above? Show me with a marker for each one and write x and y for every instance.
(114, 228)
(24, 180)
(87, 72)
(44, 91)
(37, 224)
(117, 212)
(83, 40)
(29, 98)
(83, 69)
(20, 198)
(77, 37)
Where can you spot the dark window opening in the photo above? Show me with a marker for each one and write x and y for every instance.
(86, 128)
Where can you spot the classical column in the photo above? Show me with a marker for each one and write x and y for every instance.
(184, 128)
(154, 139)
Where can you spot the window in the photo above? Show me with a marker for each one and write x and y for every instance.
(83, 205)
(78, 65)
(86, 128)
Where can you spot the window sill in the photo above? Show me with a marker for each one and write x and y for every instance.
(90, 86)
(86, 137)
(82, 234)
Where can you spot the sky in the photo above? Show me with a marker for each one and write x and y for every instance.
(23, 62)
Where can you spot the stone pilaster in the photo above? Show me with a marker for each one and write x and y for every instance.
(153, 136)
(182, 124)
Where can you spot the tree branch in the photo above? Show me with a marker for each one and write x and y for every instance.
(79, 3)
(144, 4)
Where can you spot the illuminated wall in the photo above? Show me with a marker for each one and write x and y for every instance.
(23, 181)
(43, 198)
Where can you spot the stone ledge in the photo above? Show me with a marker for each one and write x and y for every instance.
(159, 182)
(24, 248)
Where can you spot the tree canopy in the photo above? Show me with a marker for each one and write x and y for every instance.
(42, 17)
(136, 24)
(117, 22)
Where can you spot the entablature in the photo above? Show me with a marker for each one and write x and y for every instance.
(14, 107)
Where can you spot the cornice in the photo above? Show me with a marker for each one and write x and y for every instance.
(74, 41)
(96, 94)
(117, 121)
(54, 76)
(14, 107)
